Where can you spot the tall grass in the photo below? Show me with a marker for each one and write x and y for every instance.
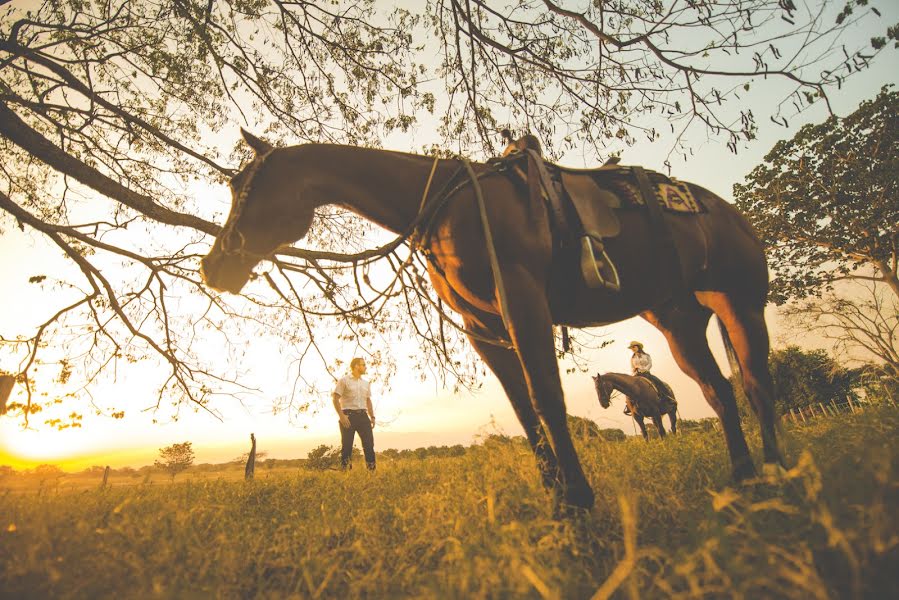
(667, 524)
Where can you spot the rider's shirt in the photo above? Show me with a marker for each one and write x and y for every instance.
(640, 362)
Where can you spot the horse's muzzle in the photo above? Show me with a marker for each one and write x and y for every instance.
(224, 275)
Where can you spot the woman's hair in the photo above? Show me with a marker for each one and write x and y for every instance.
(356, 361)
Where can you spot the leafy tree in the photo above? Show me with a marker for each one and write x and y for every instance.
(175, 458)
(47, 471)
(586, 429)
(808, 377)
(612, 434)
(390, 453)
(825, 202)
(325, 457)
(109, 121)
(127, 472)
(863, 323)
(700, 425)
(879, 385)
(242, 459)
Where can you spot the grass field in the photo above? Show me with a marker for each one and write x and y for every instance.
(667, 524)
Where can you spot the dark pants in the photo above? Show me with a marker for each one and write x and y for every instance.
(361, 424)
(663, 388)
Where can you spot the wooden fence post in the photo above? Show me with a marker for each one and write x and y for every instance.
(105, 476)
(250, 468)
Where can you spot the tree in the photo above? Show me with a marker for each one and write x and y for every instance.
(586, 429)
(325, 457)
(878, 385)
(825, 202)
(47, 471)
(864, 323)
(109, 113)
(807, 378)
(175, 458)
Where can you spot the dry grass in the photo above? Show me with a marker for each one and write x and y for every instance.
(667, 524)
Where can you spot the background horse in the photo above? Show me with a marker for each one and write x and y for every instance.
(641, 397)
(722, 268)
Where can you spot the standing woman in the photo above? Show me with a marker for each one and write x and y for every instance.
(352, 401)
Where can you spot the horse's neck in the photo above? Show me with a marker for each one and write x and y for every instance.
(381, 186)
(625, 384)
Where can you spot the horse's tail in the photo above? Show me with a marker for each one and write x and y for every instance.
(731, 353)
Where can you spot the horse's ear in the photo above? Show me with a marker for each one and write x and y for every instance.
(258, 145)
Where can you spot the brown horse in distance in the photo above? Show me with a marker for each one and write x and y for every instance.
(641, 397)
(723, 271)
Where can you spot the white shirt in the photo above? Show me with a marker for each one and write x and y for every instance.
(353, 392)
(640, 361)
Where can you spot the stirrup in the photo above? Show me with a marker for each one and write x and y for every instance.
(599, 273)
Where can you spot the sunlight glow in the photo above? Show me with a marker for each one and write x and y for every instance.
(43, 445)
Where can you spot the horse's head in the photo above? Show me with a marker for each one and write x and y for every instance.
(603, 390)
(266, 212)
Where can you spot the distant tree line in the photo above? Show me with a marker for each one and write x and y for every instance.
(809, 377)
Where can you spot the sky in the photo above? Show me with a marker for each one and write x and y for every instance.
(412, 412)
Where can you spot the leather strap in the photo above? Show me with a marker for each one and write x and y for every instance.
(661, 232)
(535, 161)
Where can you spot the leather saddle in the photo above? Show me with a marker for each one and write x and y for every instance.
(583, 202)
(593, 215)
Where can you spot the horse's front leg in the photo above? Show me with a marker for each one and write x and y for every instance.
(530, 326)
(642, 425)
(507, 367)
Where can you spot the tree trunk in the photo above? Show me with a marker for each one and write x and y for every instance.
(889, 276)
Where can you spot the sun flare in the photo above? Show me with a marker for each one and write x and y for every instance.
(25, 448)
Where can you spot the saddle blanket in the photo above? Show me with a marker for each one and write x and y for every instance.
(673, 195)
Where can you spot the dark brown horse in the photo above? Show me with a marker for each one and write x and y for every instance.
(723, 271)
(642, 399)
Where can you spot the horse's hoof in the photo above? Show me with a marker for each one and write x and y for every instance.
(773, 471)
(582, 497)
(744, 472)
(572, 503)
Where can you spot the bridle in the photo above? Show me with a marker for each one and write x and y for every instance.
(229, 230)
(604, 388)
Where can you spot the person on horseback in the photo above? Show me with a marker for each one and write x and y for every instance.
(641, 363)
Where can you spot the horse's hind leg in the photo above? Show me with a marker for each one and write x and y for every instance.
(505, 365)
(657, 421)
(684, 327)
(748, 334)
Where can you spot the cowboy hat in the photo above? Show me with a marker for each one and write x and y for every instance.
(637, 344)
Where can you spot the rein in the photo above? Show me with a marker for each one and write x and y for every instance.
(491, 249)
(417, 233)
(230, 228)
